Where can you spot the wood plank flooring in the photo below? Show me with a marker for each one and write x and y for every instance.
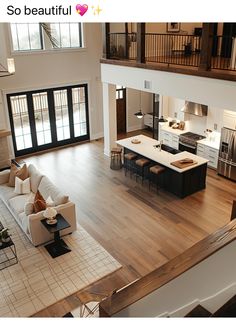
(141, 229)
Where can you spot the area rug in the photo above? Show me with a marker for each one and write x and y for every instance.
(38, 280)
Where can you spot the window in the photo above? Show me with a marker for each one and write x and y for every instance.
(79, 111)
(67, 35)
(32, 36)
(62, 114)
(26, 36)
(48, 118)
(20, 119)
(120, 90)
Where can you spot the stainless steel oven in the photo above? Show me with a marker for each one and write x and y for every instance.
(187, 147)
(188, 142)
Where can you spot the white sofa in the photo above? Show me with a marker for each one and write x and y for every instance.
(31, 224)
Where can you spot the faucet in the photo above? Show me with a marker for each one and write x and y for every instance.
(158, 146)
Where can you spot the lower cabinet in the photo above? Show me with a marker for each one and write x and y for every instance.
(148, 120)
(208, 153)
(169, 139)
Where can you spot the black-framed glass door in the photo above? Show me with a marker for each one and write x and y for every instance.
(48, 118)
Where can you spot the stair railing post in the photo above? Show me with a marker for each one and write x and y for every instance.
(206, 48)
(141, 43)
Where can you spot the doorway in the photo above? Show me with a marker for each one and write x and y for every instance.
(229, 31)
(121, 109)
(48, 118)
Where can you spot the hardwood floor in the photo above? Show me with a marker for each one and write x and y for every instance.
(141, 229)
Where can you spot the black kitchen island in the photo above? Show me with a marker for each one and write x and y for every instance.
(181, 182)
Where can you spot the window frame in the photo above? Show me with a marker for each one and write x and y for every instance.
(81, 37)
(47, 49)
(41, 36)
(55, 143)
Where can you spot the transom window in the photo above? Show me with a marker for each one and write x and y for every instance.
(32, 36)
(26, 36)
(67, 35)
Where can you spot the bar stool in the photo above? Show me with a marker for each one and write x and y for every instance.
(116, 162)
(154, 174)
(141, 166)
(129, 159)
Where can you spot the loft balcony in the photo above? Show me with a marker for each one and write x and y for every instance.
(204, 55)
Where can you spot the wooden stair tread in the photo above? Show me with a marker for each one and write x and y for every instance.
(198, 311)
(228, 309)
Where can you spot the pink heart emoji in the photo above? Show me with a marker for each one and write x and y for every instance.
(81, 9)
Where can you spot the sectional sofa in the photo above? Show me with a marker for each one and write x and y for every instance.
(31, 223)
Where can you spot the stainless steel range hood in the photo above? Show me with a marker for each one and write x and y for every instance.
(195, 108)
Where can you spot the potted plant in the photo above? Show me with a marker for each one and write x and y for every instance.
(5, 235)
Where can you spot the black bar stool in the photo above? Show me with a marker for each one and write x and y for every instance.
(141, 166)
(129, 164)
(154, 174)
(116, 162)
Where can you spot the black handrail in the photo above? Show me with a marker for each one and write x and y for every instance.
(174, 49)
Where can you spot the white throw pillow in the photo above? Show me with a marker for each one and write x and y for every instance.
(22, 186)
(29, 208)
(50, 202)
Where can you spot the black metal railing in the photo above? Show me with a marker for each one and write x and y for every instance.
(223, 53)
(123, 46)
(173, 49)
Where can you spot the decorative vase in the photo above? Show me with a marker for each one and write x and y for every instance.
(6, 239)
(50, 214)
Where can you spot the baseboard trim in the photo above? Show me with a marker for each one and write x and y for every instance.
(97, 136)
(135, 128)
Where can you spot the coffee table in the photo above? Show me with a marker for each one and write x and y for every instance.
(8, 256)
(58, 247)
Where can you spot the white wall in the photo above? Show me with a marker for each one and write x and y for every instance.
(155, 27)
(52, 69)
(195, 123)
(212, 92)
(133, 106)
(210, 283)
(174, 107)
(162, 27)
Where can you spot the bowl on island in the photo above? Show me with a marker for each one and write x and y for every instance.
(135, 141)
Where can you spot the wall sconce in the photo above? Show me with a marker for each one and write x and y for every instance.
(10, 70)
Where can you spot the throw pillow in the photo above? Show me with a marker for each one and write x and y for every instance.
(29, 208)
(22, 186)
(15, 171)
(39, 202)
(12, 176)
(50, 202)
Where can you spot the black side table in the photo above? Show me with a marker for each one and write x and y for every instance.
(58, 247)
(8, 256)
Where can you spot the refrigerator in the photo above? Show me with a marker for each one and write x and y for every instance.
(227, 154)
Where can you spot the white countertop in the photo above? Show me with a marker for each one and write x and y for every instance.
(146, 148)
(169, 129)
(212, 142)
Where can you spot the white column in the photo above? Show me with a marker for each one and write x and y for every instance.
(109, 117)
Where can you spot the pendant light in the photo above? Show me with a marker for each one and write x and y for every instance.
(139, 114)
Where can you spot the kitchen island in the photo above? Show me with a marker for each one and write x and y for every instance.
(181, 182)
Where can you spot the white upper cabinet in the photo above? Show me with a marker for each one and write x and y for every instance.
(229, 119)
